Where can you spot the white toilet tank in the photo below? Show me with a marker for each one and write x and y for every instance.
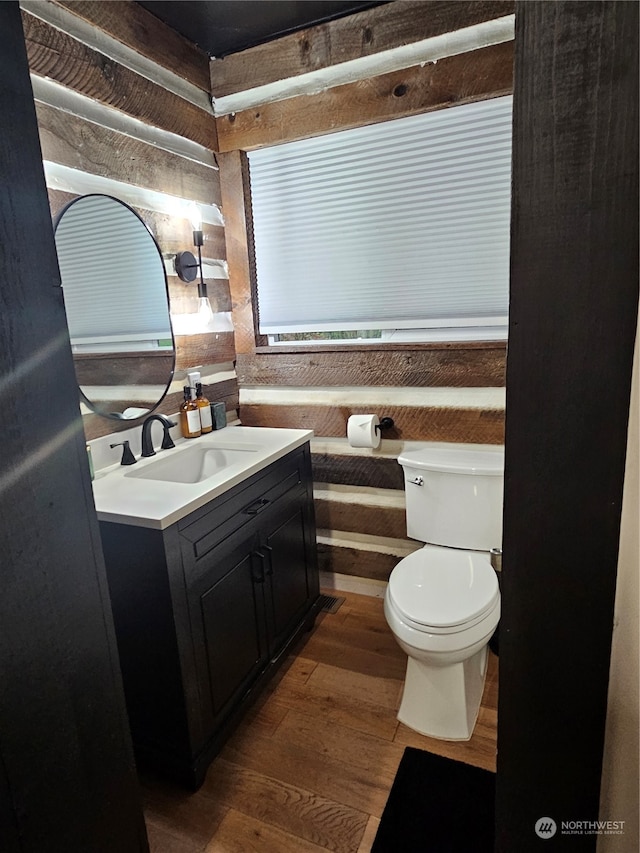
(454, 496)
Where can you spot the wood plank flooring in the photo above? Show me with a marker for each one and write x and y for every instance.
(310, 767)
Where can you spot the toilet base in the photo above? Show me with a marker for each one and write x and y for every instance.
(443, 701)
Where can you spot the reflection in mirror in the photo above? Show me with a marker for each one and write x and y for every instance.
(117, 305)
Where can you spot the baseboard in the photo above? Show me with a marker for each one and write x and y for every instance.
(349, 583)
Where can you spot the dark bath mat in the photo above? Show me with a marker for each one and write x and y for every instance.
(437, 805)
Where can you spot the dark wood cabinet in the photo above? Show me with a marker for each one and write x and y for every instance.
(205, 609)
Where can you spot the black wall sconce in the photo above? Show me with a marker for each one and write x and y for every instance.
(188, 267)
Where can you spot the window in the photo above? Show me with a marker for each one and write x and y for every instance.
(400, 228)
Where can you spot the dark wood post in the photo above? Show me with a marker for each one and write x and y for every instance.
(67, 779)
(573, 314)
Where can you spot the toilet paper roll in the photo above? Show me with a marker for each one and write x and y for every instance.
(362, 432)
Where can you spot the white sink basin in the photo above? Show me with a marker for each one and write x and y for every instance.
(162, 489)
(193, 465)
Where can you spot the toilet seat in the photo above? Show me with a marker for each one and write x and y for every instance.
(440, 645)
(443, 590)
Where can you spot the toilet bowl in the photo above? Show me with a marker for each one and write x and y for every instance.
(443, 606)
(442, 602)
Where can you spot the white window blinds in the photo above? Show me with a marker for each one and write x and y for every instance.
(403, 224)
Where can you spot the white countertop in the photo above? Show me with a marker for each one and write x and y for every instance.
(158, 504)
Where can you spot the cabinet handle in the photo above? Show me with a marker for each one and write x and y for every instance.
(259, 577)
(256, 506)
(266, 561)
(269, 569)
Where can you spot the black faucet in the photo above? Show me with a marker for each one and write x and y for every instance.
(147, 443)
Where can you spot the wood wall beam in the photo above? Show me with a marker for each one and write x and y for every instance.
(378, 472)
(352, 37)
(140, 30)
(72, 141)
(459, 366)
(356, 562)
(194, 350)
(58, 199)
(223, 392)
(475, 426)
(236, 207)
(361, 518)
(59, 57)
(472, 76)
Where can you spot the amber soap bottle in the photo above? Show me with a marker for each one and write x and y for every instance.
(189, 416)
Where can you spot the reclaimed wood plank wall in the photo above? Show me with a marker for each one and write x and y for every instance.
(296, 87)
(123, 106)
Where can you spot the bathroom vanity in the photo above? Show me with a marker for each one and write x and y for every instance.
(209, 588)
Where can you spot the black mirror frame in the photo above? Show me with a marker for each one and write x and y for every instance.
(84, 399)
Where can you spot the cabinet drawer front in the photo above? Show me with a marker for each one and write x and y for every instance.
(224, 517)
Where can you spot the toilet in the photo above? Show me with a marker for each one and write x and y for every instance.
(442, 602)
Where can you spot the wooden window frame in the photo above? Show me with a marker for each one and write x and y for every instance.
(455, 84)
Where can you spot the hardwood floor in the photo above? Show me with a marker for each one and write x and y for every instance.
(310, 767)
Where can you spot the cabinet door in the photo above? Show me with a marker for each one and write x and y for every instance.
(229, 627)
(288, 561)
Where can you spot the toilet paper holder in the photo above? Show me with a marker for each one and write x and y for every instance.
(385, 423)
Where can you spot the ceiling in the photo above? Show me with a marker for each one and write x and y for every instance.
(221, 27)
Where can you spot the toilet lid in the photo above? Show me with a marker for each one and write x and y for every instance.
(443, 588)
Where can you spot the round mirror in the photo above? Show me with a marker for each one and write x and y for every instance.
(117, 305)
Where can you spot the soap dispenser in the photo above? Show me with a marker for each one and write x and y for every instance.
(189, 416)
(204, 407)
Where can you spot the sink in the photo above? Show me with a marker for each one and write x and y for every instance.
(162, 489)
(193, 465)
